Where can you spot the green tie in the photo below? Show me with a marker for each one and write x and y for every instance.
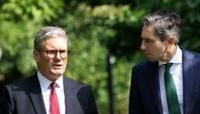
(172, 99)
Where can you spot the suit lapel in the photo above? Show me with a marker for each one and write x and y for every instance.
(188, 80)
(155, 86)
(71, 106)
(36, 96)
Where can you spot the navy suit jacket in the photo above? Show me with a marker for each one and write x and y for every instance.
(25, 97)
(145, 92)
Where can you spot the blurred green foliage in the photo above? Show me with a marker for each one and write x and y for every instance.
(95, 28)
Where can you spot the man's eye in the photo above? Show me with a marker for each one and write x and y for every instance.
(148, 40)
(52, 51)
(62, 51)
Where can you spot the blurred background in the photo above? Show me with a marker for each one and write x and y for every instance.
(104, 40)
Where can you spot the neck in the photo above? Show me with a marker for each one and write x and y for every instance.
(169, 54)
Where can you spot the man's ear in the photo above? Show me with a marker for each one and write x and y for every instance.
(171, 41)
(36, 55)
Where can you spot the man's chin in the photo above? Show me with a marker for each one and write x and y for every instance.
(58, 72)
(152, 59)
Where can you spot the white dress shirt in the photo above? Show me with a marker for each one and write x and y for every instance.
(46, 90)
(177, 75)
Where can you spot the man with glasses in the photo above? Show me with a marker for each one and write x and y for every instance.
(48, 91)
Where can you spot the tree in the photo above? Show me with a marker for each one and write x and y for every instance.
(95, 28)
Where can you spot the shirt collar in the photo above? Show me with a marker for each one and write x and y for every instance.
(177, 58)
(44, 82)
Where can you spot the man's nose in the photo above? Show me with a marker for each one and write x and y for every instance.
(142, 46)
(58, 56)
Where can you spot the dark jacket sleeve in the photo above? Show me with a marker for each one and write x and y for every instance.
(6, 102)
(87, 101)
(135, 103)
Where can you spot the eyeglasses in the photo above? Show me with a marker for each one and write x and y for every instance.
(53, 53)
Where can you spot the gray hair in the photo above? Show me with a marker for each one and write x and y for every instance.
(165, 24)
(46, 33)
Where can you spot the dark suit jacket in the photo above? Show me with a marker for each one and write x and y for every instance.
(24, 97)
(145, 92)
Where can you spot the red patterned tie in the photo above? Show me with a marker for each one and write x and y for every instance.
(54, 105)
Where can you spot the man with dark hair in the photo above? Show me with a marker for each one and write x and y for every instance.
(168, 82)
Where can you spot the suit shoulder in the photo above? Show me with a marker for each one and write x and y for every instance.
(143, 68)
(21, 82)
(190, 54)
(145, 64)
(74, 83)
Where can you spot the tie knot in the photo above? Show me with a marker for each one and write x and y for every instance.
(53, 85)
(168, 65)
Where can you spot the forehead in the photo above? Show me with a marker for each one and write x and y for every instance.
(148, 33)
(55, 42)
